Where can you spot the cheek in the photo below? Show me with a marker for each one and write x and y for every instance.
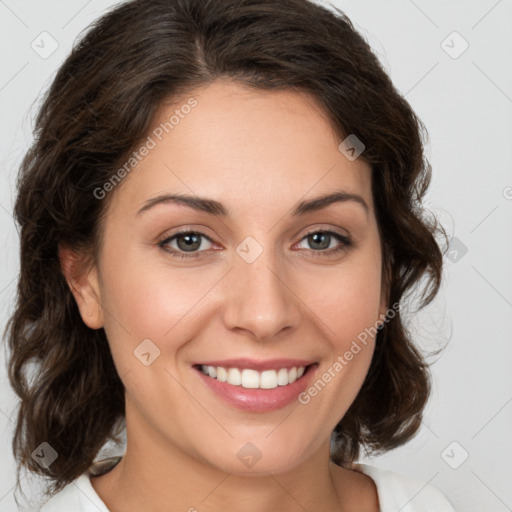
(348, 300)
(148, 299)
(350, 308)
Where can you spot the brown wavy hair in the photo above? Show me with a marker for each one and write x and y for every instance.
(101, 104)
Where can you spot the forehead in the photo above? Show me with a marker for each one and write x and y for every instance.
(246, 147)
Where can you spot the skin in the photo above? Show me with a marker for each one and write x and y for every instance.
(259, 153)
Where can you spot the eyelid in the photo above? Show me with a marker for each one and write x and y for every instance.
(164, 239)
(317, 229)
(345, 240)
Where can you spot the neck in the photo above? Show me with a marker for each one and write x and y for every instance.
(154, 473)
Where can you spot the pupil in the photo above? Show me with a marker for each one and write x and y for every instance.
(192, 242)
(325, 237)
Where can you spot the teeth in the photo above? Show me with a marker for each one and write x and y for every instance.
(268, 379)
(252, 379)
(282, 377)
(222, 374)
(234, 377)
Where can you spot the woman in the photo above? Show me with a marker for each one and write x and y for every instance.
(219, 217)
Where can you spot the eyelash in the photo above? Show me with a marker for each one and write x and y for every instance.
(346, 243)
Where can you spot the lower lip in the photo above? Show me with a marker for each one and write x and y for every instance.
(259, 400)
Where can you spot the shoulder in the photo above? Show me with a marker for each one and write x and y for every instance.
(68, 499)
(404, 493)
(79, 495)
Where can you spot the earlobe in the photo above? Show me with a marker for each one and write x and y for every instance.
(83, 282)
(382, 312)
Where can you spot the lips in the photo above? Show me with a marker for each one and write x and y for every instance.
(257, 385)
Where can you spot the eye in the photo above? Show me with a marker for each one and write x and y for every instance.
(321, 240)
(187, 244)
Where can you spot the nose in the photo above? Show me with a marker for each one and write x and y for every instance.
(260, 298)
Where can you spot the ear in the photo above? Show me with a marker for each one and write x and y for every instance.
(82, 279)
(385, 289)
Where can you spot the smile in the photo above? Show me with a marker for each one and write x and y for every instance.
(253, 379)
(256, 385)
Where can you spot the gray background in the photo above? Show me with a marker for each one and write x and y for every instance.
(465, 101)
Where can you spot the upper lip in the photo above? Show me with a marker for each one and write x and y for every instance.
(253, 364)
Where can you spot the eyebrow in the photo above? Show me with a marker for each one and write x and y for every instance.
(213, 207)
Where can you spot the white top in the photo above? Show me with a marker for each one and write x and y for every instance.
(396, 492)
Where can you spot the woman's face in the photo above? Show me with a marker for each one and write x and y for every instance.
(262, 282)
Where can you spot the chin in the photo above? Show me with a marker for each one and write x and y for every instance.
(256, 459)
